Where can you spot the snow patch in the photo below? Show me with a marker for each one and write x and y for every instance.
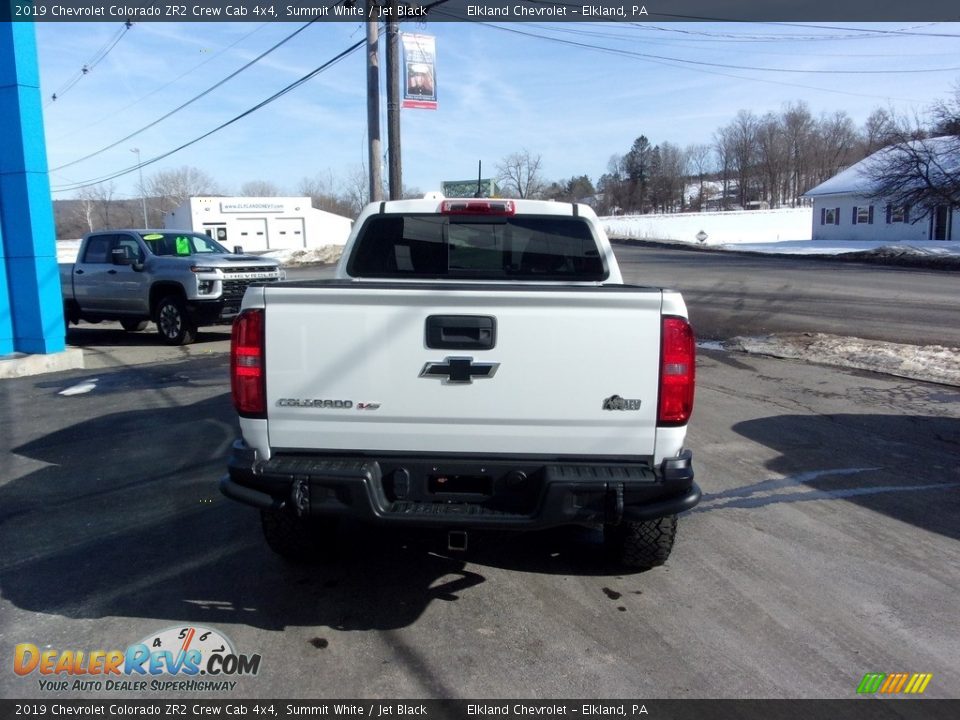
(927, 363)
(326, 254)
(80, 388)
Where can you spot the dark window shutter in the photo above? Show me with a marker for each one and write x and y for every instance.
(836, 216)
(870, 215)
(889, 212)
(854, 219)
(823, 216)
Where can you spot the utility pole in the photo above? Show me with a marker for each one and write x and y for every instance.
(143, 194)
(393, 104)
(373, 103)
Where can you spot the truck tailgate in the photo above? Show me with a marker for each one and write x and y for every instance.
(572, 371)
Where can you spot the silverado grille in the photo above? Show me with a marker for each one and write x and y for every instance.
(233, 290)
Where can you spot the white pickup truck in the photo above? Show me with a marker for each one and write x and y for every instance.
(474, 364)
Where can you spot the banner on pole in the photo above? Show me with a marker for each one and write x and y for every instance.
(419, 71)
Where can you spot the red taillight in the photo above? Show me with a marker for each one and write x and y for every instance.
(478, 207)
(248, 379)
(678, 357)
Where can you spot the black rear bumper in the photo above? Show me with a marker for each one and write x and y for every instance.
(462, 492)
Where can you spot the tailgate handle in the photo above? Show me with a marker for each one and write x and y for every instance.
(461, 332)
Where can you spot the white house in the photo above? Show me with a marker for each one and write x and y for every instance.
(260, 223)
(844, 210)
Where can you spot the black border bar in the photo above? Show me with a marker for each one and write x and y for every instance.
(518, 709)
(483, 11)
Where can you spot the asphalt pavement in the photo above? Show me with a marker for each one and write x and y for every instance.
(826, 547)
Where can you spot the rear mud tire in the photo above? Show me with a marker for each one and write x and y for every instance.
(301, 540)
(641, 545)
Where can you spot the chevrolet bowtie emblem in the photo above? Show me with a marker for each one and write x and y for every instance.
(459, 370)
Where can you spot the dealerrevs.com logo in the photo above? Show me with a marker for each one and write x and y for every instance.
(182, 658)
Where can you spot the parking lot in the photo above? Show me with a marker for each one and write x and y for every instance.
(826, 547)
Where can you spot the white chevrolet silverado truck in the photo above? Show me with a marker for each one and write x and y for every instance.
(475, 364)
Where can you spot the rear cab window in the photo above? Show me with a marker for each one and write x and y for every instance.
(520, 247)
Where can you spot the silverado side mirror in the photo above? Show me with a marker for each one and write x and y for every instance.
(238, 249)
(121, 256)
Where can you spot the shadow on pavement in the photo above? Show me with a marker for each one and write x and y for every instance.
(110, 334)
(904, 467)
(125, 519)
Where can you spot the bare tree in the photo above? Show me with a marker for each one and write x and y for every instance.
(172, 187)
(698, 157)
(918, 173)
(799, 131)
(836, 145)
(744, 131)
(98, 201)
(879, 131)
(668, 172)
(356, 190)
(260, 188)
(946, 114)
(86, 200)
(773, 157)
(611, 188)
(723, 146)
(323, 196)
(519, 174)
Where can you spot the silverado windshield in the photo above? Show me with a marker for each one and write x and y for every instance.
(182, 244)
(514, 248)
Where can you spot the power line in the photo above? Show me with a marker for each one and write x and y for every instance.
(91, 63)
(277, 95)
(726, 66)
(113, 113)
(647, 58)
(190, 101)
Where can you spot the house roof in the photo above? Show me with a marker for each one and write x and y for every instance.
(855, 180)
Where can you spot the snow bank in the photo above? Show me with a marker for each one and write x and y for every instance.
(324, 254)
(927, 363)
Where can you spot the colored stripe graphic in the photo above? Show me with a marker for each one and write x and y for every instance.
(871, 683)
(894, 683)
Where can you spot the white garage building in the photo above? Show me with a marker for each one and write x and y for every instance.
(260, 223)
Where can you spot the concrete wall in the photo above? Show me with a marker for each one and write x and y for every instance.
(721, 227)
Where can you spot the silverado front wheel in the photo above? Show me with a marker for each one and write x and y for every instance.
(301, 539)
(173, 324)
(641, 545)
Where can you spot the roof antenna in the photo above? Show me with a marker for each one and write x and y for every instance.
(479, 193)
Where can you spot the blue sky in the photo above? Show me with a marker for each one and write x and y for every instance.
(500, 91)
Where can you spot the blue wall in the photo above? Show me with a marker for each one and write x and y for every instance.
(31, 308)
